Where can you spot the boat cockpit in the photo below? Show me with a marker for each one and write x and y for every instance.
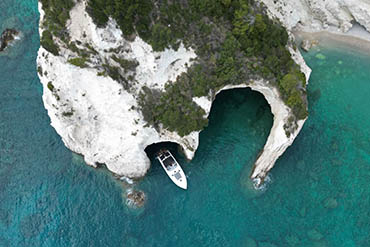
(167, 160)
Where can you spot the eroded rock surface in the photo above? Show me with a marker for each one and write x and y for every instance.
(136, 198)
(308, 44)
(7, 36)
(313, 15)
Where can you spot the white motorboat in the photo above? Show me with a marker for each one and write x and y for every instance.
(172, 168)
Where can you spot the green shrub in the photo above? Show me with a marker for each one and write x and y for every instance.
(39, 70)
(56, 16)
(50, 86)
(126, 64)
(48, 43)
(68, 114)
(78, 61)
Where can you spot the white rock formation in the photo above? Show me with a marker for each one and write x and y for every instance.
(317, 15)
(277, 141)
(105, 126)
(335, 16)
(97, 118)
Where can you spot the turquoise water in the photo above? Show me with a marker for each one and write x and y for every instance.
(318, 194)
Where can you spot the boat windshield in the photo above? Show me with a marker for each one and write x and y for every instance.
(169, 163)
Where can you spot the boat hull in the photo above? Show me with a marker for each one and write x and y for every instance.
(176, 174)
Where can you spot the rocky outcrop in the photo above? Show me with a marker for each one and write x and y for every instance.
(277, 141)
(308, 44)
(98, 118)
(135, 198)
(337, 16)
(7, 36)
(93, 114)
(313, 15)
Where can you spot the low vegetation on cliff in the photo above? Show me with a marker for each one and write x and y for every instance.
(235, 41)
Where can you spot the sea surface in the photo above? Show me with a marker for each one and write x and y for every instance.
(318, 194)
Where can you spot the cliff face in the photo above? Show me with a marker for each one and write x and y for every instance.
(101, 119)
(313, 15)
(277, 141)
(93, 114)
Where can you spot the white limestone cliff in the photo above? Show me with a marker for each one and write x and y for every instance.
(97, 118)
(316, 15)
(100, 119)
(335, 16)
(277, 141)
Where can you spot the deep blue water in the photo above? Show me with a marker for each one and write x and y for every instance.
(318, 194)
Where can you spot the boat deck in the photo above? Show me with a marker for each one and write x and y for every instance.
(172, 168)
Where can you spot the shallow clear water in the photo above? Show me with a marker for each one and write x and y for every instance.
(318, 194)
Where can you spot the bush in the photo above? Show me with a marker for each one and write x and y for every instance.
(130, 15)
(48, 43)
(56, 16)
(78, 61)
(291, 86)
(126, 64)
(50, 86)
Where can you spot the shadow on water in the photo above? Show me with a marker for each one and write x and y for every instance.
(152, 150)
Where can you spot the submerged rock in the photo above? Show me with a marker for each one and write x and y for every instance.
(307, 45)
(302, 212)
(320, 56)
(315, 95)
(7, 37)
(330, 203)
(250, 242)
(314, 235)
(136, 198)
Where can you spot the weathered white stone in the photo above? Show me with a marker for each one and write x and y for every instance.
(314, 15)
(106, 126)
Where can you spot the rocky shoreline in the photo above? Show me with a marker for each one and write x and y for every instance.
(327, 38)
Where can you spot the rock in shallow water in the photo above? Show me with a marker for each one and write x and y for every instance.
(7, 37)
(307, 45)
(136, 198)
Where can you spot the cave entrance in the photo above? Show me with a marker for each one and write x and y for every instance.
(154, 148)
(239, 124)
(235, 104)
